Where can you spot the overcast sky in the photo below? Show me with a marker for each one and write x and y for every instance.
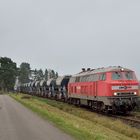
(67, 35)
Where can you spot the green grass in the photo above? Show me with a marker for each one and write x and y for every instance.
(115, 125)
(81, 124)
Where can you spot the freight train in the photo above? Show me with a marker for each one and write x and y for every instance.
(112, 89)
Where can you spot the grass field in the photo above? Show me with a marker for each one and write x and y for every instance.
(80, 123)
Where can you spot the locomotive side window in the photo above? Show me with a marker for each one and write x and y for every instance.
(81, 79)
(103, 77)
(90, 78)
(94, 77)
(84, 78)
(87, 77)
(77, 79)
(116, 76)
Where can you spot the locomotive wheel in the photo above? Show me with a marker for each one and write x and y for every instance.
(107, 110)
(94, 105)
(100, 106)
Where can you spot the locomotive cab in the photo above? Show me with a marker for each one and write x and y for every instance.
(124, 90)
(124, 83)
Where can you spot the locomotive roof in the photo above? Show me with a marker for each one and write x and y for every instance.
(102, 70)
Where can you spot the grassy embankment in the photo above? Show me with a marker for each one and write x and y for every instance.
(81, 124)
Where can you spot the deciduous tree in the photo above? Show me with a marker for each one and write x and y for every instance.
(8, 73)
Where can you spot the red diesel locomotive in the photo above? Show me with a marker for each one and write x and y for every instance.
(105, 89)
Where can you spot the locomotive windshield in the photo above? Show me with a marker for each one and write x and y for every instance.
(116, 76)
(128, 75)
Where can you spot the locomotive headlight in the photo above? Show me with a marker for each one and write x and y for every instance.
(115, 93)
(135, 93)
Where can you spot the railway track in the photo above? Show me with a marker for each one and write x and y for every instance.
(133, 121)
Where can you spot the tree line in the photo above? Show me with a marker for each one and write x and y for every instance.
(9, 72)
